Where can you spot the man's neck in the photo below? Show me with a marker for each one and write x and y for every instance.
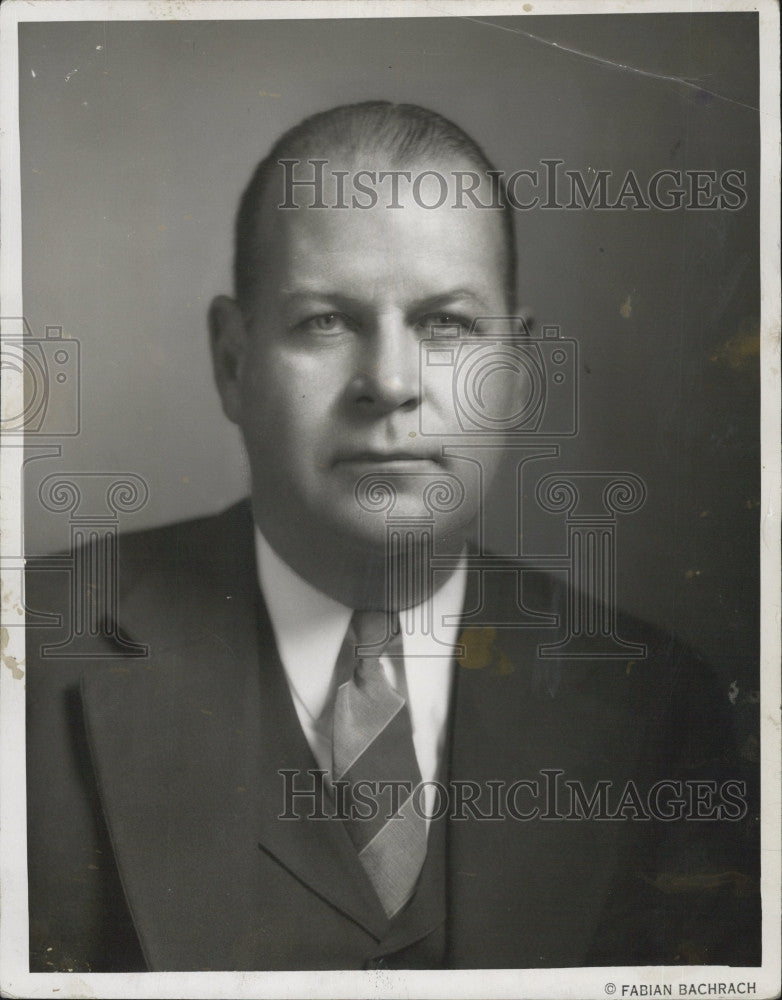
(360, 576)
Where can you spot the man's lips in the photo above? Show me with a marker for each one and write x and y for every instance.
(387, 459)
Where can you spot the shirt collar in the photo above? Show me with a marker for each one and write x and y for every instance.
(310, 627)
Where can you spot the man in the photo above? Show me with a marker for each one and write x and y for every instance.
(263, 789)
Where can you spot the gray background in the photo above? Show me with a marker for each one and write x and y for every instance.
(137, 138)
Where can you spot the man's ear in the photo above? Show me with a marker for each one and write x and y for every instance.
(229, 341)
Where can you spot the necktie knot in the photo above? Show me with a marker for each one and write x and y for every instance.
(375, 634)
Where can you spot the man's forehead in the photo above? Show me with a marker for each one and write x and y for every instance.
(327, 195)
(380, 245)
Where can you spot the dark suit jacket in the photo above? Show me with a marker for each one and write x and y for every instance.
(154, 792)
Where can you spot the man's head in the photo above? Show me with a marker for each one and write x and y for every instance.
(395, 136)
(318, 357)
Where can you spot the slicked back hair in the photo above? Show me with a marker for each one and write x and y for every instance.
(406, 132)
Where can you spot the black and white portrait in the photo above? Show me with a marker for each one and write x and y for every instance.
(389, 486)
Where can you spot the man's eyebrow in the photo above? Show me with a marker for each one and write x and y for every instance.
(443, 299)
(428, 303)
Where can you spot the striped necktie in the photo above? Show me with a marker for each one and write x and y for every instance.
(372, 743)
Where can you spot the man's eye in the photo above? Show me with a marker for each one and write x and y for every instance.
(326, 323)
(439, 323)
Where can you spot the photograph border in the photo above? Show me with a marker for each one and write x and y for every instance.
(592, 982)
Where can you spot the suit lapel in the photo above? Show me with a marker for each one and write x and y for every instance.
(187, 745)
(318, 852)
(523, 893)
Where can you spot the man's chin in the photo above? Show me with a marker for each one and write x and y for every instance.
(407, 529)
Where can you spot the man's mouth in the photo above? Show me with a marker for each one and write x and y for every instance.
(399, 460)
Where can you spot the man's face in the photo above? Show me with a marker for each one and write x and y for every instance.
(330, 393)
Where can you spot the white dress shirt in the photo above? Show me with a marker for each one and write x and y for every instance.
(310, 628)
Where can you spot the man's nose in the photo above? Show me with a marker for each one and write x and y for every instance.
(387, 375)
